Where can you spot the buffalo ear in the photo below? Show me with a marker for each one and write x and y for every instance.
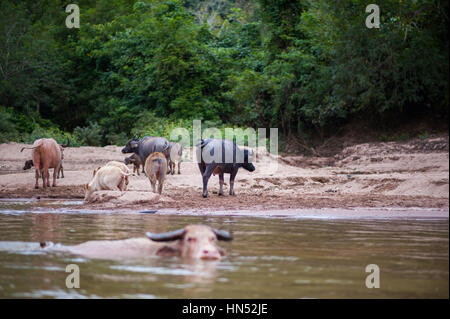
(168, 251)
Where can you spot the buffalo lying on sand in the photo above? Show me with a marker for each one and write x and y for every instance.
(106, 178)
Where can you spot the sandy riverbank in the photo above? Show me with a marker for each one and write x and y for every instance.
(392, 174)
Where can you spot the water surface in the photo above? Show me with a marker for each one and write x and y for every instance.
(269, 258)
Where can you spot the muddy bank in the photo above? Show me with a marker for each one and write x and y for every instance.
(406, 174)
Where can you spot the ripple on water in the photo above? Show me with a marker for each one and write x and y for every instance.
(155, 270)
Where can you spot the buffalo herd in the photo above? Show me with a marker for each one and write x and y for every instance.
(156, 157)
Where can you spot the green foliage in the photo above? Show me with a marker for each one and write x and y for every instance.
(19, 128)
(150, 124)
(51, 132)
(304, 66)
(90, 135)
(8, 129)
(424, 135)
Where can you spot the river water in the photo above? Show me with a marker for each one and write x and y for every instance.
(269, 257)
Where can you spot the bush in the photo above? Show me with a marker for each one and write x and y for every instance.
(52, 132)
(8, 130)
(150, 124)
(91, 135)
(116, 139)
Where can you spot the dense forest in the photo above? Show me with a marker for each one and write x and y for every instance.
(144, 67)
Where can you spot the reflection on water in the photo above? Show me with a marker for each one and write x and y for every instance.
(269, 258)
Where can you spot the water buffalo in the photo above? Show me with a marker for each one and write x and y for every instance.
(46, 154)
(175, 153)
(29, 164)
(191, 242)
(146, 146)
(106, 178)
(156, 170)
(136, 161)
(219, 157)
(124, 168)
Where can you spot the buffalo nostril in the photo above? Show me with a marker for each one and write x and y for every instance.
(206, 252)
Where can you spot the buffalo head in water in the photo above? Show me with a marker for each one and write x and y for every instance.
(193, 241)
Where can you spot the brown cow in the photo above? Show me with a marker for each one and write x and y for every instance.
(46, 154)
(192, 241)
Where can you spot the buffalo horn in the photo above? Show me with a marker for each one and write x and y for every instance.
(169, 236)
(222, 235)
(67, 144)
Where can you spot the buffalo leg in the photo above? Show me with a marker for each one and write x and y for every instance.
(232, 176)
(120, 186)
(60, 170)
(37, 175)
(152, 180)
(179, 164)
(45, 177)
(55, 172)
(160, 186)
(221, 184)
(206, 175)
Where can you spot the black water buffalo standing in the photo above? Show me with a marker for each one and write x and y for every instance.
(146, 146)
(219, 157)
